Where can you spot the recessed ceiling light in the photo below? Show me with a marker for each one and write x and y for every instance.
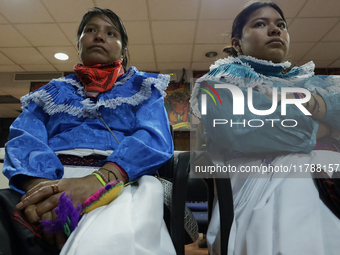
(61, 56)
(211, 54)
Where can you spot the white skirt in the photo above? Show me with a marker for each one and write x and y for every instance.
(279, 215)
(132, 224)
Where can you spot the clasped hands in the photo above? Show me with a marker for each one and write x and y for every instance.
(40, 201)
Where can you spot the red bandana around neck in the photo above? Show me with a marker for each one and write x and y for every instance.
(99, 78)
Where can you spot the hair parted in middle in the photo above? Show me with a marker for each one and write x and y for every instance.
(115, 20)
(243, 17)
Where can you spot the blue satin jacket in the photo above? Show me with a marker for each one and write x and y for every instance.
(58, 116)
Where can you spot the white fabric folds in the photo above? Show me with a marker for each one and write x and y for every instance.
(279, 215)
(132, 224)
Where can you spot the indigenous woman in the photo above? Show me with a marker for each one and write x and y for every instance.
(275, 211)
(80, 132)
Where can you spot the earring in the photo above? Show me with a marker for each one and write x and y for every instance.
(239, 51)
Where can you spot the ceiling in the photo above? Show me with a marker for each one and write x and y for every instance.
(163, 34)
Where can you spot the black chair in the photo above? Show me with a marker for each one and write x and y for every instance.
(200, 195)
(224, 195)
(180, 180)
(176, 170)
(174, 208)
(225, 200)
(198, 190)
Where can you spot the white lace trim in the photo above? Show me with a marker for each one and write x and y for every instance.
(305, 71)
(44, 99)
(78, 85)
(266, 62)
(127, 77)
(230, 60)
(90, 109)
(160, 83)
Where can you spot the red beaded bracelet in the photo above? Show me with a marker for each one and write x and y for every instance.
(120, 169)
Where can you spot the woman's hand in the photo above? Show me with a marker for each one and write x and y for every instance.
(44, 198)
(58, 239)
(323, 130)
(335, 133)
(40, 201)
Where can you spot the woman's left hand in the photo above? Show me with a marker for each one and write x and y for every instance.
(40, 201)
(45, 195)
(59, 238)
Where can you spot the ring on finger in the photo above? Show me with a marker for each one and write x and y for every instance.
(55, 188)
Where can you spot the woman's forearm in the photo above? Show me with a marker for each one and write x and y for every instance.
(316, 105)
(112, 172)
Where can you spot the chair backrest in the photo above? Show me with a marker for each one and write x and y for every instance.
(180, 196)
(177, 172)
(226, 205)
(197, 190)
(180, 180)
(224, 195)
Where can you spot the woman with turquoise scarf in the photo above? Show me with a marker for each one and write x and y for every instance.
(282, 163)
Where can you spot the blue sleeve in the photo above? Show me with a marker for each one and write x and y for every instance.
(27, 151)
(271, 137)
(332, 101)
(150, 143)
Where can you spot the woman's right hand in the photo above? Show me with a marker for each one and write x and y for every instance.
(40, 201)
(43, 197)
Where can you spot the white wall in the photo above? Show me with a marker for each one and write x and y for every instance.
(3, 179)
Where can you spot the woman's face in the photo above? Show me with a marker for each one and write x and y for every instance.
(100, 42)
(264, 36)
